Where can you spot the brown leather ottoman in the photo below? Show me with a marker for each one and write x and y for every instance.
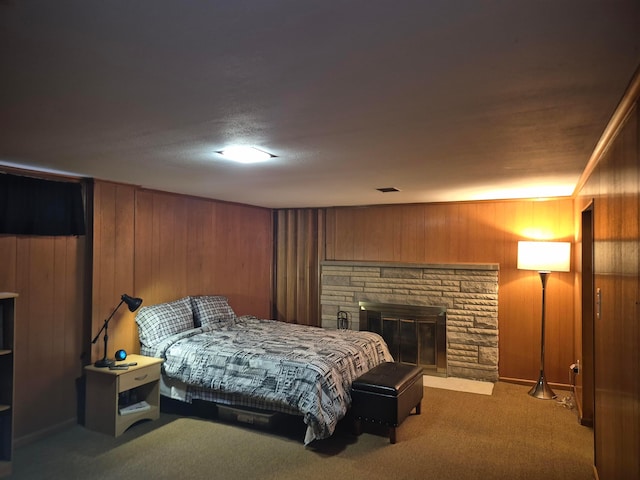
(387, 394)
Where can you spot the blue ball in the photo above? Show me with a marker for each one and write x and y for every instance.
(121, 355)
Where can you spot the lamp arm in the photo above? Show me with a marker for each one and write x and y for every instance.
(106, 322)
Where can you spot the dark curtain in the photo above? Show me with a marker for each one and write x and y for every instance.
(298, 252)
(34, 206)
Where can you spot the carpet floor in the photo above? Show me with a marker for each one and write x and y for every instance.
(459, 435)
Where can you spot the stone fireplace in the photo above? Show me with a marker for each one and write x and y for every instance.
(468, 293)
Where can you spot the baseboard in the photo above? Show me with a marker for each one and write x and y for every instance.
(585, 422)
(40, 434)
(522, 381)
(595, 473)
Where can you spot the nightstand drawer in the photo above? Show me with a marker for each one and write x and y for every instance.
(137, 377)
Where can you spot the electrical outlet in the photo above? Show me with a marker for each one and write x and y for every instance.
(575, 367)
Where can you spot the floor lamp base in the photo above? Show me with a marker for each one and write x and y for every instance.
(542, 390)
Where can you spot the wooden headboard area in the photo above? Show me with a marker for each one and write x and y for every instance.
(161, 247)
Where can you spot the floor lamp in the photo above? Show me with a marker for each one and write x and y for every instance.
(544, 257)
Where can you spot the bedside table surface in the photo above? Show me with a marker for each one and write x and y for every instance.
(142, 362)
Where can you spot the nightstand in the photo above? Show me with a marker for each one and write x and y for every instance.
(110, 390)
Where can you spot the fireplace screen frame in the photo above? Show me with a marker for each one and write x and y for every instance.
(393, 321)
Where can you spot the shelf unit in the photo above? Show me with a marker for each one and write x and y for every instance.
(7, 338)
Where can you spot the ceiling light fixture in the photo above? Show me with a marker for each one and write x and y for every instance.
(244, 154)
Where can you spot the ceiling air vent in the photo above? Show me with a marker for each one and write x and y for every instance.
(387, 189)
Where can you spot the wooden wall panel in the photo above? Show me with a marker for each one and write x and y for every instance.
(148, 244)
(200, 257)
(47, 274)
(8, 252)
(614, 188)
(160, 247)
(476, 232)
(71, 290)
(243, 266)
(113, 264)
(37, 253)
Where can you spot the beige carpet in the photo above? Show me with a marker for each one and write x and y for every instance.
(459, 435)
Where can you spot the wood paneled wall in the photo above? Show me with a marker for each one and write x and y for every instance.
(155, 245)
(113, 265)
(477, 232)
(161, 246)
(613, 188)
(48, 274)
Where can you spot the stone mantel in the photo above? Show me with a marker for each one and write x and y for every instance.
(438, 266)
(468, 291)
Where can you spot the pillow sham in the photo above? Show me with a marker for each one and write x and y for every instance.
(157, 322)
(208, 309)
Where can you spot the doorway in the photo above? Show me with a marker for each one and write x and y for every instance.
(585, 380)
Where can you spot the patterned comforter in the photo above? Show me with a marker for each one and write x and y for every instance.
(304, 369)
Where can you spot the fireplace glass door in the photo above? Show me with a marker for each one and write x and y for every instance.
(414, 335)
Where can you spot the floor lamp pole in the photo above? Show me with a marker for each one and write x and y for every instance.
(541, 389)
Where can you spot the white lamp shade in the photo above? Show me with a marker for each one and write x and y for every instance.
(544, 256)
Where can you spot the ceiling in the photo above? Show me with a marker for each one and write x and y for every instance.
(443, 100)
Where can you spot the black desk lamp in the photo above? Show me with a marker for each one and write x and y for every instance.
(133, 304)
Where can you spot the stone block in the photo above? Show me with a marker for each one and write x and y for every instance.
(465, 356)
(463, 346)
(477, 338)
(476, 372)
(477, 287)
(373, 270)
(437, 273)
(488, 355)
(336, 279)
(486, 322)
(460, 324)
(399, 272)
(336, 268)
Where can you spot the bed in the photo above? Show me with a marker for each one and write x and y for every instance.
(213, 355)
